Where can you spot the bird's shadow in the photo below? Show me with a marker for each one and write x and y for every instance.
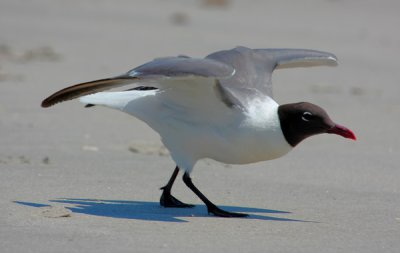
(152, 211)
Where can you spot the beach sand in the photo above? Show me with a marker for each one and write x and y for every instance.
(87, 180)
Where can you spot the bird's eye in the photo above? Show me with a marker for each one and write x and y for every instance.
(307, 116)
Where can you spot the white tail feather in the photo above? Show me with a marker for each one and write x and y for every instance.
(116, 100)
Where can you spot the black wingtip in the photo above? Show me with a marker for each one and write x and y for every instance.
(46, 104)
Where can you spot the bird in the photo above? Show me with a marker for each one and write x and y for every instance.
(219, 107)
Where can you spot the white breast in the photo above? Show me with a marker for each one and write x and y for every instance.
(258, 137)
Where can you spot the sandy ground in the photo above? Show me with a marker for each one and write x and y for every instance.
(86, 180)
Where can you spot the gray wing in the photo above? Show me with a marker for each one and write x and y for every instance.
(182, 67)
(254, 68)
(293, 58)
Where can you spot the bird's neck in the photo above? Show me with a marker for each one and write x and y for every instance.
(262, 130)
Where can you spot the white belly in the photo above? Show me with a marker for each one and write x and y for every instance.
(232, 146)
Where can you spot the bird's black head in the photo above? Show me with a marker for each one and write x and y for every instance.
(302, 120)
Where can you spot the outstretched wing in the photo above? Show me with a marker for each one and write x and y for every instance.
(294, 58)
(86, 88)
(254, 68)
(147, 74)
(241, 74)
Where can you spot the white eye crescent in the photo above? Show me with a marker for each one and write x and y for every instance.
(306, 116)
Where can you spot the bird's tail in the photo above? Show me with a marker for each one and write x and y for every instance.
(116, 100)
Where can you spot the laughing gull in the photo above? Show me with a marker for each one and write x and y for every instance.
(217, 107)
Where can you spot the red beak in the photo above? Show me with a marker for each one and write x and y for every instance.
(343, 131)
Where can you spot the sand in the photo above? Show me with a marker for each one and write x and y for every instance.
(87, 180)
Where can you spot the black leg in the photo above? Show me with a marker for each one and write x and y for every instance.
(167, 200)
(210, 206)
